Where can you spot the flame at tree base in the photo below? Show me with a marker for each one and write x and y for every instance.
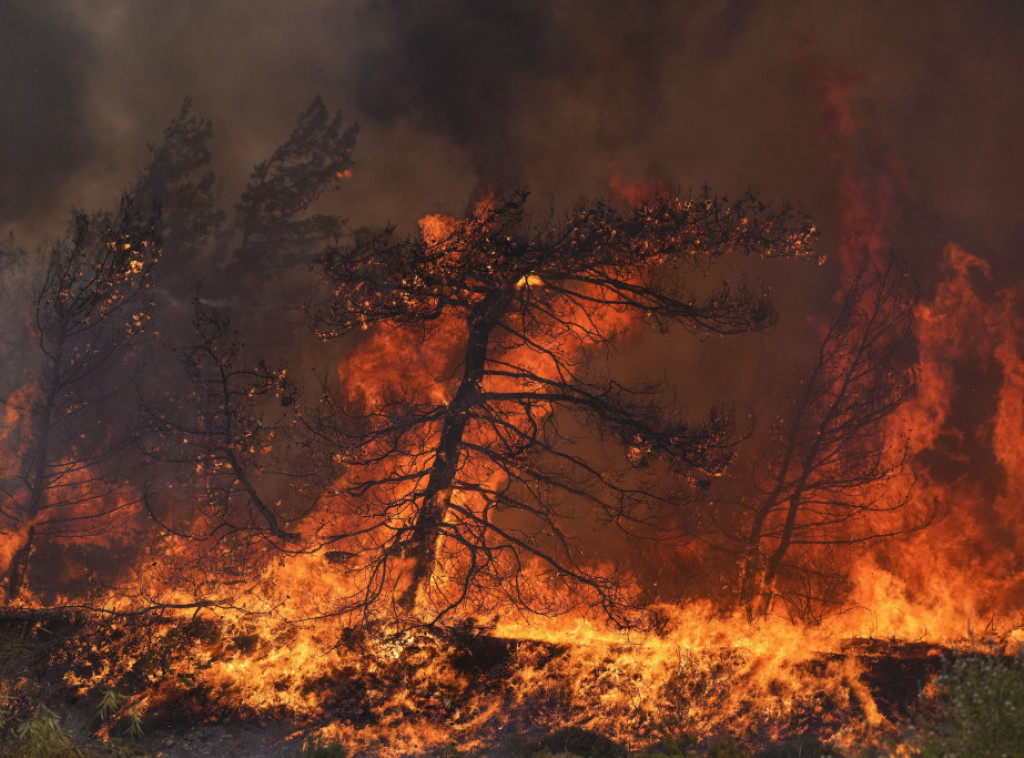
(413, 692)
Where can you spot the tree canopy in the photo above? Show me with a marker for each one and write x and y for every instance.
(467, 490)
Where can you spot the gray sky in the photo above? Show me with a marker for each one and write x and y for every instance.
(454, 94)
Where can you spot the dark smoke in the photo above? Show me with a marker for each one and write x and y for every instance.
(458, 68)
(456, 94)
(44, 134)
(492, 77)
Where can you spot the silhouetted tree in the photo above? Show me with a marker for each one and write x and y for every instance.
(827, 473)
(70, 423)
(279, 228)
(221, 441)
(273, 215)
(178, 180)
(449, 497)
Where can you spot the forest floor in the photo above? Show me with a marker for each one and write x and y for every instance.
(40, 663)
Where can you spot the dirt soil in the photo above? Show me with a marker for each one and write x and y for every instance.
(228, 739)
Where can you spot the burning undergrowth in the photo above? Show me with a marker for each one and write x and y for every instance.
(419, 691)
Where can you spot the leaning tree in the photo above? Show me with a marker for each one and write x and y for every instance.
(486, 482)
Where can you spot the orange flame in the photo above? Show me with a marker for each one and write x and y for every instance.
(276, 643)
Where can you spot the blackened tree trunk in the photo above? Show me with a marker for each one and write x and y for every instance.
(429, 526)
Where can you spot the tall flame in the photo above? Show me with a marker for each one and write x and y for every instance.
(272, 640)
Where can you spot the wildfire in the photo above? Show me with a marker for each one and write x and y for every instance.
(444, 587)
(269, 651)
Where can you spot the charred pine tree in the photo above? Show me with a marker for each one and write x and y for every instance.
(72, 390)
(469, 487)
(828, 473)
(227, 475)
(228, 479)
(273, 214)
(69, 424)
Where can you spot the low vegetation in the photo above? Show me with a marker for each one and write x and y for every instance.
(971, 705)
(40, 734)
(975, 707)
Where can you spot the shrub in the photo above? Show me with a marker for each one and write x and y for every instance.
(976, 708)
(316, 746)
(41, 736)
(112, 708)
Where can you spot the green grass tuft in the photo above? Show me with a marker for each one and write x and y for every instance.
(316, 746)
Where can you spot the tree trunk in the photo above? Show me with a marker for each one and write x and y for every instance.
(18, 568)
(37, 479)
(421, 543)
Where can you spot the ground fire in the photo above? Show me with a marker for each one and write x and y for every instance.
(445, 501)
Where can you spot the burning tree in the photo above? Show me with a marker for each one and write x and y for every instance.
(224, 473)
(495, 469)
(827, 475)
(71, 422)
(67, 477)
(226, 477)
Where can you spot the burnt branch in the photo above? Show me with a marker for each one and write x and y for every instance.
(446, 504)
(829, 471)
